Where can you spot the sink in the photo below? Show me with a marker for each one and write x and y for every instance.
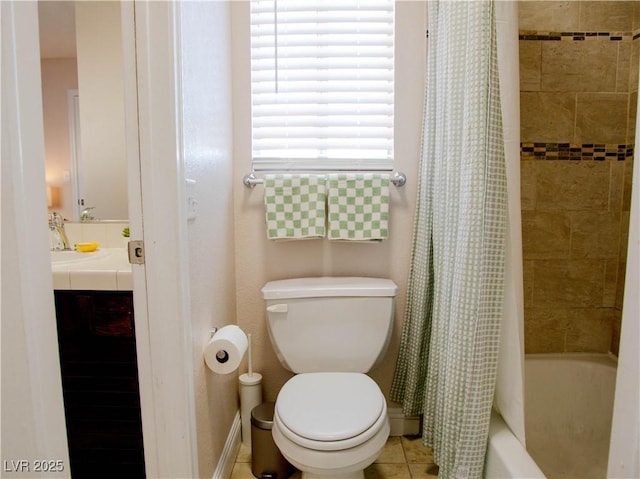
(106, 269)
(72, 256)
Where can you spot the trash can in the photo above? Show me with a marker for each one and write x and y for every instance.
(266, 460)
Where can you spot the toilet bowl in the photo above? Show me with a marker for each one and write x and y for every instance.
(330, 419)
(331, 424)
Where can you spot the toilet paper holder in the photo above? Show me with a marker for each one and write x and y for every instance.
(225, 348)
(223, 357)
(250, 385)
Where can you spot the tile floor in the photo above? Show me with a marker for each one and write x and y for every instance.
(402, 458)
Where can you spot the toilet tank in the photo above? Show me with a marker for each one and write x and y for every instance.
(337, 324)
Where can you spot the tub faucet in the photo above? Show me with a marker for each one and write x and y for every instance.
(86, 215)
(59, 240)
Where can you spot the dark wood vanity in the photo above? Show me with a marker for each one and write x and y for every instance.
(96, 337)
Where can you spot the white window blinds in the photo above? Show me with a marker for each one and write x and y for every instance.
(322, 84)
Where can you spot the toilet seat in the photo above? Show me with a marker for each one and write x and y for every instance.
(330, 411)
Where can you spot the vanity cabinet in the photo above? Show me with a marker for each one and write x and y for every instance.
(96, 337)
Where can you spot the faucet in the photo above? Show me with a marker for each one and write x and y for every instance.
(86, 215)
(59, 240)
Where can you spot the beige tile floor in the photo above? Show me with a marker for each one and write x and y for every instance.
(402, 458)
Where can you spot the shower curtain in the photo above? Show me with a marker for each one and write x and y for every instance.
(447, 364)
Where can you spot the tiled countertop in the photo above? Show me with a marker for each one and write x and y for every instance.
(107, 269)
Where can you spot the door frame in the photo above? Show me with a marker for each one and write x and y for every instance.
(157, 215)
(161, 289)
(32, 405)
(75, 150)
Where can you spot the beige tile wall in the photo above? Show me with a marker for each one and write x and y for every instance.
(575, 212)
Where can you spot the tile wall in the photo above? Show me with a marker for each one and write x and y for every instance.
(578, 86)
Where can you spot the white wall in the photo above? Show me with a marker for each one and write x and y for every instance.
(206, 129)
(259, 260)
(103, 169)
(59, 75)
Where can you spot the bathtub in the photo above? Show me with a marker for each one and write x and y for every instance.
(569, 405)
(506, 456)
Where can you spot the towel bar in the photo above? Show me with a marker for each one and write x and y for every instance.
(399, 179)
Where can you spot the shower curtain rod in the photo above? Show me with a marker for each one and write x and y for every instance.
(250, 180)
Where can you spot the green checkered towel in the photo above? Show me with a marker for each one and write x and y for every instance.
(358, 206)
(295, 206)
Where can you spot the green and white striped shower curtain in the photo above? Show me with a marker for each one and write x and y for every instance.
(448, 356)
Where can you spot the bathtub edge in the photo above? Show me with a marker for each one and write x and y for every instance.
(506, 456)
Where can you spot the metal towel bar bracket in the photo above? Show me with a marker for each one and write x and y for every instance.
(398, 178)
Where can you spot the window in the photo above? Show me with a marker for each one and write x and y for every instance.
(322, 84)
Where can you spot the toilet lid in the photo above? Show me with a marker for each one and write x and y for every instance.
(330, 406)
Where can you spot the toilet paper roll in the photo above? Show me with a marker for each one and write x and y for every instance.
(225, 350)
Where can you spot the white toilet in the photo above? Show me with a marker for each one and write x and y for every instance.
(330, 420)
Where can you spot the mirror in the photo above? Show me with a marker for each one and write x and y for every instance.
(83, 108)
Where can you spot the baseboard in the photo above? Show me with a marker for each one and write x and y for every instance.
(402, 425)
(230, 451)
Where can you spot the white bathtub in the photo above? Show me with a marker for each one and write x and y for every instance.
(506, 456)
(569, 404)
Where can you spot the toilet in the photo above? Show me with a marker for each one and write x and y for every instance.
(330, 419)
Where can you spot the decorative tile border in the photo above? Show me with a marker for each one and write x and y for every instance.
(575, 151)
(574, 36)
(578, 36)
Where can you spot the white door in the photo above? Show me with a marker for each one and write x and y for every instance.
(32, 411)
(156, 215)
